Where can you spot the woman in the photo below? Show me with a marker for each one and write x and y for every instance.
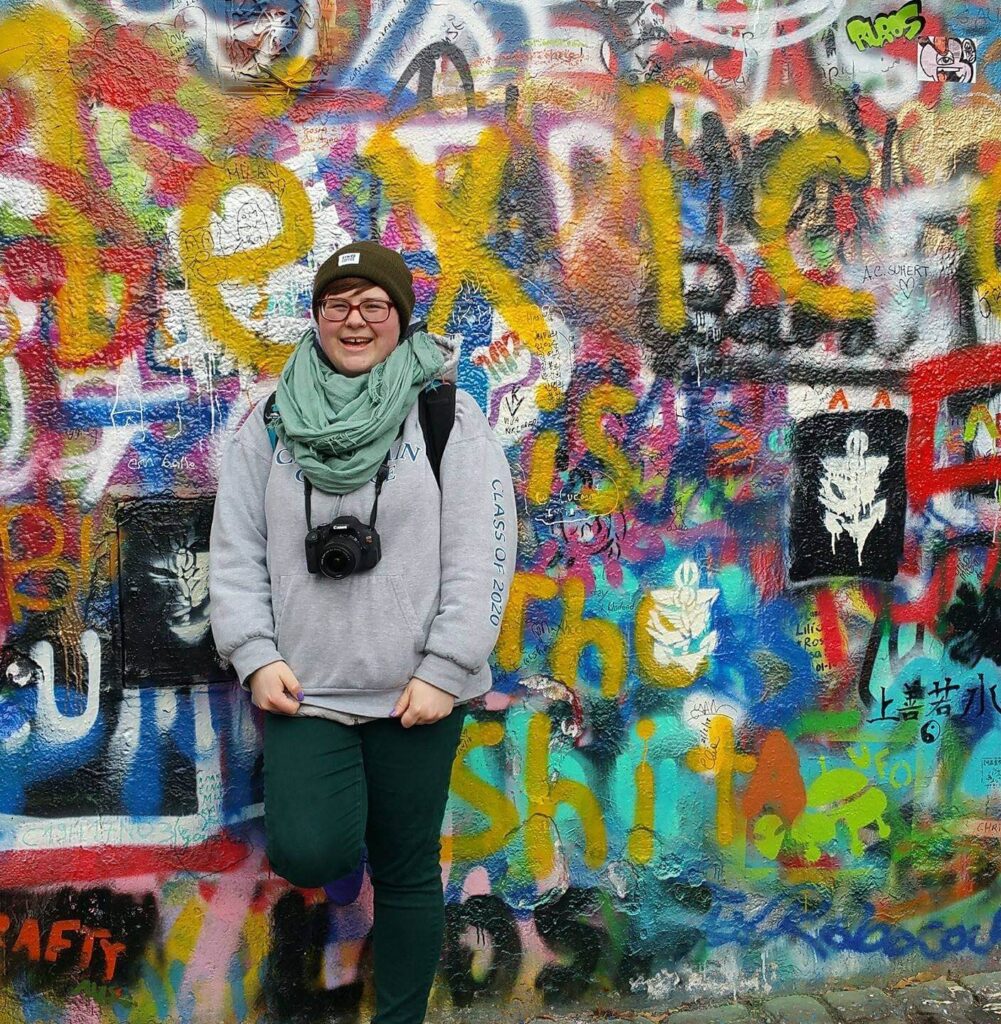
(362, 639)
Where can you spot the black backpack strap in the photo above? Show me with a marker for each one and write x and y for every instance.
(436, 412)
(269, 411)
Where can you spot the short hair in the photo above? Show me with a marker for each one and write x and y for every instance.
(350, 284)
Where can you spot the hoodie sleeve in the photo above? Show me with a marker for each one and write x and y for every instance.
(243, 623)
(478, 551)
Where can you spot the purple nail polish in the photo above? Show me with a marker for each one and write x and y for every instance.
(300, 696)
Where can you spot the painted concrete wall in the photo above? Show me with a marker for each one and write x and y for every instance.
(728, 285)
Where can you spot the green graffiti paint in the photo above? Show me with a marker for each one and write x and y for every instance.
(905, 23)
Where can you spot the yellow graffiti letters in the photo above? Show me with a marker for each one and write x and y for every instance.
(983, 225)
(460, 220)
(21, 568)
(639, 845)
(542, 466)
(494, 805)
(576, 633)
(648, 106)
(720, 757)
(818, 153)
(623, 477)
(525, 587)
(544, 796)
(40, 40)
(88, 320)
(207, 271)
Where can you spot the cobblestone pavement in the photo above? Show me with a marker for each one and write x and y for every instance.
(975, 999)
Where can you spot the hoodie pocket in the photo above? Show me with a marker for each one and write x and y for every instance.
(358, 633)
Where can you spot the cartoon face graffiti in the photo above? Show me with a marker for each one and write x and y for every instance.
(946, 59)
(840, 796)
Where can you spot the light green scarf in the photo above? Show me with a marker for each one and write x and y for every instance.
(339, 428)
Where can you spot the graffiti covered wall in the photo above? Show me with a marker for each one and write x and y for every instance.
(727, 278)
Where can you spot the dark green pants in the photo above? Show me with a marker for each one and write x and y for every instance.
(329, 788)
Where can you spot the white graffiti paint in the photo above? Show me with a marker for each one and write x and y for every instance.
(848, 491)
(758, 30)
(679, 620)
(50, 722)
(14, 477)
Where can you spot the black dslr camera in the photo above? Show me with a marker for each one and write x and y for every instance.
(341, 547)
(345, 544)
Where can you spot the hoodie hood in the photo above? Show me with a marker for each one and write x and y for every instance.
(450, 346)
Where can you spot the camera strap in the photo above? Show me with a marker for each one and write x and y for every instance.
(380, 478)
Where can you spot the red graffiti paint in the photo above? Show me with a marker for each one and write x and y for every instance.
(730, 66)
(830, 626)
(98, 863)
(937, 594)
(768, 570)
(930, 384)
(793, 65)
(37, 941)
(988, 157)
(124, 72)
(838, 400)
(34, 269)
(13, 118)
(764, 291)
(845, 219)
(777, 783)
(29, 940)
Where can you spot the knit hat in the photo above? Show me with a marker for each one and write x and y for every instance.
(375, 263)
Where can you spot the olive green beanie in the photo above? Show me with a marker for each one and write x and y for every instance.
(375, 263)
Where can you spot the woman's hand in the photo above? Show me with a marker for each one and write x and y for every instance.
(275, 688)
(421, 704)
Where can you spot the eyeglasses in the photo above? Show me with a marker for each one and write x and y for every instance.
(373, 311)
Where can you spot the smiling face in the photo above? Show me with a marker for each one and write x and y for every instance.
(354, 345)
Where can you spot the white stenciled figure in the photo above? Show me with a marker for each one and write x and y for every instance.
(679, 620)
(848, 492)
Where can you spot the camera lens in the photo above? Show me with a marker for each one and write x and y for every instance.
(337, 561)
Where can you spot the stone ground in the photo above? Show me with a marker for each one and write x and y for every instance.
(974, 999)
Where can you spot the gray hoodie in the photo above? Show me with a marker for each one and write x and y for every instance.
(431, 608)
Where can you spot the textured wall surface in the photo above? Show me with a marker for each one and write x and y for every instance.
(727, 278)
